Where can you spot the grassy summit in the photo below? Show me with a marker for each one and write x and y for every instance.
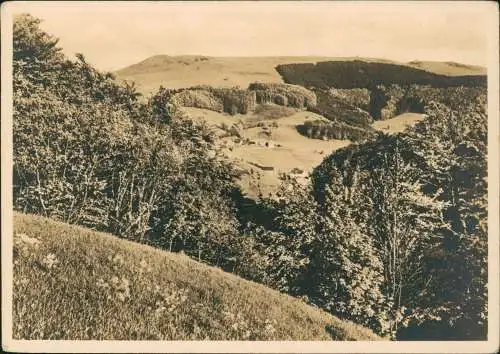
(74, 283)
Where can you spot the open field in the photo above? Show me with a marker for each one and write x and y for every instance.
(186, 71)
(74, 283)
(448, 68)
(397, 124)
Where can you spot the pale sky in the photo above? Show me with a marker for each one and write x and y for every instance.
(114, 35)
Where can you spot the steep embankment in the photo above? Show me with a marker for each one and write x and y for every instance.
(73, 283)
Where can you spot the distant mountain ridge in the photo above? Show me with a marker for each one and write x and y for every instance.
(190, 70)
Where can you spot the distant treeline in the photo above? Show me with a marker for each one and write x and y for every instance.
(283, 95)
(241, 101)
(360, 107)
(229, 100)
(360, 74)
(389, 101)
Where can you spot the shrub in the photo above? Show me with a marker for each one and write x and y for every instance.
(233, 130)
(198, 99)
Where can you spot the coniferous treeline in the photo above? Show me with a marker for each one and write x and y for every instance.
(361, 74)
(391, 233)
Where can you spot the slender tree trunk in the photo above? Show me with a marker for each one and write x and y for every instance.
(171, 243)
(218, 256)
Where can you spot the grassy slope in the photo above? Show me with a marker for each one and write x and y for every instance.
(448, 68)
(185, 71)
(73, 283)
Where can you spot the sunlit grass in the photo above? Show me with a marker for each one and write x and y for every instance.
(73, 283)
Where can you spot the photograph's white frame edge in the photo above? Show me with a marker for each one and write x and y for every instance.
(493, 180)
(6, 173)
(490, 346)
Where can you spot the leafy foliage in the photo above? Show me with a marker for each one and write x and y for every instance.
(345, 274)
(456, 156)
(427, 217)
(87, 151)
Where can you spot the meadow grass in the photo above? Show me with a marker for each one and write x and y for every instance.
(73, 283)
(273, 111)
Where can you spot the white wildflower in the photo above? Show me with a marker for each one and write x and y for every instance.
(50, 260)
(118, 259)
(23, 238)
(101, 283)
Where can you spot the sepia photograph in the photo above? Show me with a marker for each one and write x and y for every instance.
(250, 176)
